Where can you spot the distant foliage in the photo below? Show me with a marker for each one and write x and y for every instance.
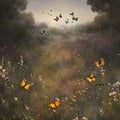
(15, 23)
(108, 13)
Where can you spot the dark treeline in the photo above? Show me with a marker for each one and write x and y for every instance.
(108, 14)
(18, 31)
(108, 18)
(15, 23)
(15, 27)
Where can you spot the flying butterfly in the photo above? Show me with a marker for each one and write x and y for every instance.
(92, 77)
(60, 16)
(56, 19)
(74, 18)
(67, 21)
(25, 85)
(55, 104)
(72, 13)
(100, 63)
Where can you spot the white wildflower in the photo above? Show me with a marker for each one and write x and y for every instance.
(1, 67)
(15, 98)
(84, 118)
(21, 61)
(112, 93)
(76, 118)
(117, 84)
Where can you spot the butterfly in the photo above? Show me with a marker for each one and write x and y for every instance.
(55, 104)
(92, 77)
(25, 85)
(73, 18)
(100, 63)
(56, 19)
(60, 15)
(67, 21)
(72, 13)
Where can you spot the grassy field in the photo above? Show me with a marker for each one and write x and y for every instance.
(56, 66)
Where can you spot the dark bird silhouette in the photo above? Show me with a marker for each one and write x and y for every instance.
(56, 19)
(72, 13)
(43, 32)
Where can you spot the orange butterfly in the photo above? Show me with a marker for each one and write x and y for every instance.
(55, 104)
(100, 63)
(25, 85)
(92, 77)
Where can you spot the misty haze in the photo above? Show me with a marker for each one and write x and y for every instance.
(59, 60)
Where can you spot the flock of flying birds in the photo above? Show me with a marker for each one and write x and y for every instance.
(60, 16)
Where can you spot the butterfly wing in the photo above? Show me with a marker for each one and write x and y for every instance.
(89, 79)
(57, 103)
(97, 63)
(73, 18)
(22, 83)
(102, 62)
(92, 77)
(56, 19)
(60, 15)
(27, 86)
(72, 13)
(52, 105)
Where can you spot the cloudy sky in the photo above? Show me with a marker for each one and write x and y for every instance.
(41, 10)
